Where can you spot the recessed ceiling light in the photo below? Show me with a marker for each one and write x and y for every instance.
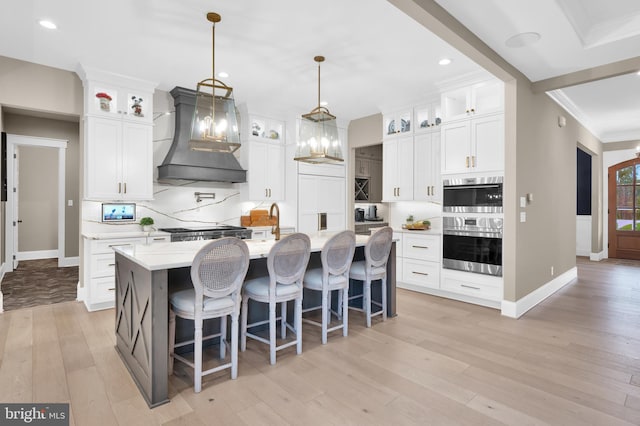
(444, 61)
(47, 24)
(522, 39)
(223, 74)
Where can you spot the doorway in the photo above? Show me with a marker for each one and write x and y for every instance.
(31, 206)
(624, 210)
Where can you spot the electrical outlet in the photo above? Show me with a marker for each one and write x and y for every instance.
(523, 216)
(523, 202)
(552, 271)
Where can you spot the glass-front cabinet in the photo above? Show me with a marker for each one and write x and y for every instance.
(428, 116)
(397, 123)
(112, 101)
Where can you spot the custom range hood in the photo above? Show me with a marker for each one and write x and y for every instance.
(182, 163)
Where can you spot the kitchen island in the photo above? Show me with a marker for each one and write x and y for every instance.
(144, 276)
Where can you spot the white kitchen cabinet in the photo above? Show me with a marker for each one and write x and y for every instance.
(321, 203)
(99, 269)
(420, 259)
(266, 171)
(483, 289)
(428, 116)
(475, 145)
(427, 185)
(266, 130)
(118, 159)
(486, 97)
(398, 123)
(397, 173)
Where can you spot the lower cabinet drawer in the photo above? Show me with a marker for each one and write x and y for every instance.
(107, 245)
(103, 289)
(422, 273)
(103, 265)
(480, 290)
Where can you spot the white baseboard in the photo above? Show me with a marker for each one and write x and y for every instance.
(449, 295)
(80, 293)
(520, 307)
(1, 303)
(35, 255)
(65, 262)
(597, 257)
(583, 252)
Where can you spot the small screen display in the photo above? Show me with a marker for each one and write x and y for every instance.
(119, 212)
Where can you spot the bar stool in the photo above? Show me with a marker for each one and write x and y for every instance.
(217, 273)
(336, 257)
(373, 268)
(286, 262)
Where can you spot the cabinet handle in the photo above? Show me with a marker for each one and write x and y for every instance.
(473, 161)
(428, 190)
(423, 247)
(119, 245)
(433, 190)
(111, 264)
(266, 193)
(269, 192)
(112, 289)
(125, 187)
(469, 286)
(466, 161)
(473, 110)
(158, 239)
(420, 273)
(119, 187)
(467, 111)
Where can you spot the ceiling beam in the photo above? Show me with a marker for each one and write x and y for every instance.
(441, 23)
(601, 72)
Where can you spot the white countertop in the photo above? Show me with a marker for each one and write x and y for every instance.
(126, 234)
(418, 231)
(179, 254)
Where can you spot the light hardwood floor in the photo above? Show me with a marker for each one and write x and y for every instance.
(573, 360)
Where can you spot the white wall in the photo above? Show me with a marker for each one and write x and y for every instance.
(583, 235)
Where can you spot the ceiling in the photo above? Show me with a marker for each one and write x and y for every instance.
(575, 35)
(376, 57)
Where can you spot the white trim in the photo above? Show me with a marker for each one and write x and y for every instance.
(583, 235)
(65, 262)
(12, 142)
(81, 293)
(565, 102)
(597, 257)
(38, 254)
(1, 295)
(519, 308)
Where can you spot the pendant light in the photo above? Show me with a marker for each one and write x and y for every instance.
(214, 127)
(318, 140)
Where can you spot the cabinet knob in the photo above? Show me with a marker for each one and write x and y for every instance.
(473, 110)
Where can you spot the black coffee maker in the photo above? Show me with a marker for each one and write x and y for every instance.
(359, 215)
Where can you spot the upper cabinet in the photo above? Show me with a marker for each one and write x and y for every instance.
(397, 123)
(426, 177)
(486, 97)
(428, 116)
(266, 151)
(475, 145)
(397, 169)
(118, 125)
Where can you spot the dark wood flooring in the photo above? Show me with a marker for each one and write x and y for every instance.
(39, 282)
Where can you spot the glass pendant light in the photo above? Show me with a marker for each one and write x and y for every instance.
(318, 140)
(214, 127)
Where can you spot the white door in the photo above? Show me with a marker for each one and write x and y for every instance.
(389, 170)
(103, 156)
(275, 174)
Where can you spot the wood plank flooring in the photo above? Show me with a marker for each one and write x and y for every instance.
(572, 360)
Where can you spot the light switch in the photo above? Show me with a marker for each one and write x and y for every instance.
(523, 216)
(523, 202)
(70, 203)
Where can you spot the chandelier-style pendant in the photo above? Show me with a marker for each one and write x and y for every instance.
(318, 139)
(214, 126)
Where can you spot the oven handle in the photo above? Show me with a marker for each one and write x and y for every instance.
(498, 185)
(482, 234)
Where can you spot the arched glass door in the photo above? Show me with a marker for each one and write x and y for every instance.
(624, 210)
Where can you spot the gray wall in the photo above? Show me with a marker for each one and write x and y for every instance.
(36, 89)
(54, 129)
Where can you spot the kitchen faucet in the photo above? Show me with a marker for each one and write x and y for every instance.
(275, 229)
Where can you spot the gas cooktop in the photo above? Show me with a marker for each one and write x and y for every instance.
(209, 233)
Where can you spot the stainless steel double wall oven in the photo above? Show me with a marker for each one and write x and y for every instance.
(472, 225)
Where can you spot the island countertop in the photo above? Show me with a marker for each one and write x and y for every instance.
(159, 256)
